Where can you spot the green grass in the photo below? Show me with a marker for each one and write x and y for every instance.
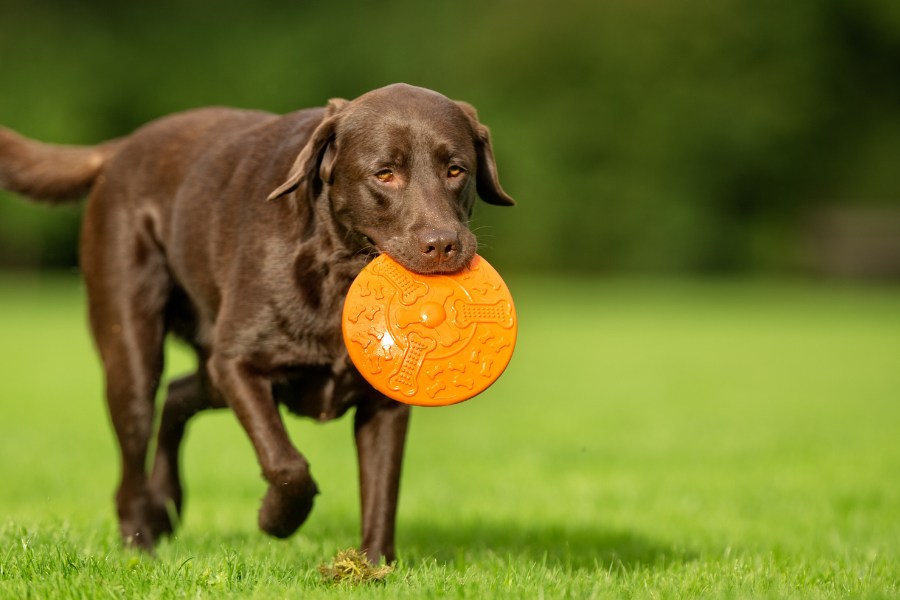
(649, 439)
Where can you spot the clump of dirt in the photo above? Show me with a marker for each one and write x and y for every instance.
(352, 566)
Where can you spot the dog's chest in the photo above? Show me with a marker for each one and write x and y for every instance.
(322, 393)
(298, 325)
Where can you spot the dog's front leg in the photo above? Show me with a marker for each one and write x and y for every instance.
(291, 487)
(380, 426)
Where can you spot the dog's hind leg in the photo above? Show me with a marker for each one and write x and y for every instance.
(186, 397)
(131, 349)
(128, 286)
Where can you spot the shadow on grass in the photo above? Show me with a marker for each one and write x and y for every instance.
(567, 547)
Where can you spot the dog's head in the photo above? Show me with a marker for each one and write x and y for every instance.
(400, 168)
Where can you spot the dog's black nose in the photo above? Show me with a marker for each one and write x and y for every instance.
(439, 245)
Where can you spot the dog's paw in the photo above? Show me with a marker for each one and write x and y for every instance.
(161, 516)
(137, 537)
(284, 509)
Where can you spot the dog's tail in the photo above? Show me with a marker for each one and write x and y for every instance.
(50, 172)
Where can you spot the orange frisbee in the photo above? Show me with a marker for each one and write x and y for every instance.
(429, 340)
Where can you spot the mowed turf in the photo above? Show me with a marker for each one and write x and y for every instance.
(649, 439)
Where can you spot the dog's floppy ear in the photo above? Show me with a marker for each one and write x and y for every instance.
(487, 184)
(317, 156)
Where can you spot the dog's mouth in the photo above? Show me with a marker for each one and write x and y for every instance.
(404, 252)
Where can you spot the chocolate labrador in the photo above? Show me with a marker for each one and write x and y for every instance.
(240, 232)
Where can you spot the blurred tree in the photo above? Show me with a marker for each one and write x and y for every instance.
(648, 136)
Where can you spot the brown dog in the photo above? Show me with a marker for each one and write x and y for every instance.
(241, 232)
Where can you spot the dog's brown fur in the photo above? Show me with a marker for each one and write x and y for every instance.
(240, 232)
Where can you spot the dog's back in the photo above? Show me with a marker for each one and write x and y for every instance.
(160, 152)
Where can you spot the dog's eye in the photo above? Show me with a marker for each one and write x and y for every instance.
(455, 171)
(385, 175)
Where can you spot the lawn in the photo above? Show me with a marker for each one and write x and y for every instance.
(649, 439)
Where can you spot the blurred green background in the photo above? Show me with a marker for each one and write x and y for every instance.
(738, 136)
(719, 436)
